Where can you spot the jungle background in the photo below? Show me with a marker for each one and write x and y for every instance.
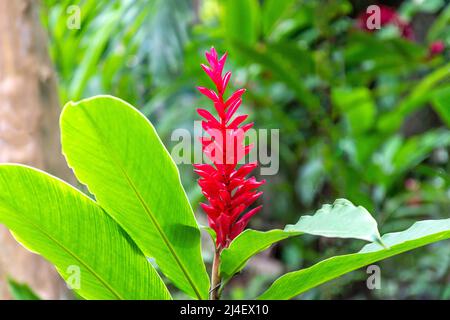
(363, 114)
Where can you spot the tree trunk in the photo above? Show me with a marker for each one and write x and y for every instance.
(29, 133)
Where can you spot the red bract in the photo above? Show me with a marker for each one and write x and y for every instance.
(225, 186)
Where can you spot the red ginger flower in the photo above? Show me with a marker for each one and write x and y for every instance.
(225, 186)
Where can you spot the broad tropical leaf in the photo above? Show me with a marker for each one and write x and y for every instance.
(246, 245)
(117, 153)
(70, 230)
(297, 282)
(419, 95)
(342, 219)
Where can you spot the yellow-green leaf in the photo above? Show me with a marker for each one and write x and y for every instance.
(116, 152)
(89, 249)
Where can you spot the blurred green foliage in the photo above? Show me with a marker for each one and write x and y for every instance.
(21, 291)
(364, 116)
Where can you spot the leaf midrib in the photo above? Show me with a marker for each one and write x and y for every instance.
(71, 253)
(144, 205)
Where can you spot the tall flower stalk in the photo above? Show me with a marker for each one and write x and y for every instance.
(225, 185)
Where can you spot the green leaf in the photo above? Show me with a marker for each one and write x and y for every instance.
(398, 155)
(441, 103)
(440, 25)
(89, 63)
(358, 106)
(241, 21)
(287, 53)
(244, 246)
(366, 57)
(277, 65)
(342, 219)
(21, 291)
(272, 12)
(55, 220)
(416, 148)
(117, 153)
(297, 282)
(422, 92)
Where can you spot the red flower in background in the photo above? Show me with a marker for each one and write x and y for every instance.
(437, 47)
(225, 186)
(388, 16)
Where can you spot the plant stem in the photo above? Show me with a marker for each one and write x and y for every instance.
(215, 277)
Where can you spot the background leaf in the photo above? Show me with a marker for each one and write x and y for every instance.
(357, 106)
(272, 12)
(55, 220)
(341, 219)
(21, 291)
(117, 153)
(441, 103)
(241, 21)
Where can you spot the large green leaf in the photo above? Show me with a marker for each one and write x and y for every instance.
(88, 65)
(415, 149)
(441, 24)
(70, 230)
(297, 282)
(117, 153)
(342, 219)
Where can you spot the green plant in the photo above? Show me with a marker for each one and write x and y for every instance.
(139, 210)
(291, 54)
(21, 291)
(370, 136)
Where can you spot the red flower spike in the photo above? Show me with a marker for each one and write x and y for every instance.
(225, 80)
(232, 109)
(224, 185)
(209, 93)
